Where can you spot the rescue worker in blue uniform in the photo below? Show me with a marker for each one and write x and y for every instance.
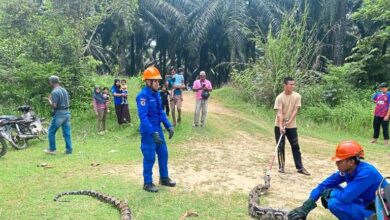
(355, 201)
(151, 114)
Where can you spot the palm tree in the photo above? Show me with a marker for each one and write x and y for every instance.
(205, 34)
(202, 34)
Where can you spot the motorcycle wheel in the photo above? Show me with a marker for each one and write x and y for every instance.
(3, 147)
(17, 142)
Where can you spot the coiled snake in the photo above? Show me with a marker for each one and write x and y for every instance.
(263, 213)
(120, 205)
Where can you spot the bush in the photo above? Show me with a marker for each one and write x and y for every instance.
(289, 52)
(334, 97)
(353, 113)
(29, 84)
(34, 46)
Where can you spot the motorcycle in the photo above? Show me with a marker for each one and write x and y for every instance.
(18, 130)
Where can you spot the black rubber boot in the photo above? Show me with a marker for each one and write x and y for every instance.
(150, 187)
(166, 181)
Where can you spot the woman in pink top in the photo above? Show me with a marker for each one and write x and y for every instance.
(381, 113)
(202, 87)
(100, 108)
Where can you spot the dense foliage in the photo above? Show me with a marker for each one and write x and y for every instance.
(288, 52)
(336, 49)
(39, 39)
(335, 94)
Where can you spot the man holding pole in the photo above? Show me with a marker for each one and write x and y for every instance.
(287, 105)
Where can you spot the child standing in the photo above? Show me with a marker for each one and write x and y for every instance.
(381, 113)
(106, 96)
(100, 107)
(124, 91)
(164, 93)
(125, 104)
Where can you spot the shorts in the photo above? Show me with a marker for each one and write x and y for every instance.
(176, 101)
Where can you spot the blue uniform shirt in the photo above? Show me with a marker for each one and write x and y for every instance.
(150, 111)
(361, 185)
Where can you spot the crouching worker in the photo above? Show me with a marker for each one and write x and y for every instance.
(151, 114)
(355, 201)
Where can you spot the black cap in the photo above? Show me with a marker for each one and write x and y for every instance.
(54, 79)
(383, 85)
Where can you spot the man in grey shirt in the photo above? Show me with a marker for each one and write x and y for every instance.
(59, 102)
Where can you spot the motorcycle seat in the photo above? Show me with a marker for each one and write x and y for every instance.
(8, 117)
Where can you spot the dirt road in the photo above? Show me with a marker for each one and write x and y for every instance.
(237, 163)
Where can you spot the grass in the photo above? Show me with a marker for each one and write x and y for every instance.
(27, 191)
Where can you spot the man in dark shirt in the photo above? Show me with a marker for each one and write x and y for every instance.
(59, 102)
(164, 93)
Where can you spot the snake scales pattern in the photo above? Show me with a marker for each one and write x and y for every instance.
(122, 206)
(263, 213)
(254, 208)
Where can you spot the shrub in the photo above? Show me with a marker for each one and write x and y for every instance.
(289, 52)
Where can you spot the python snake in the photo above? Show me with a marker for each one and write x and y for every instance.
(263, 213)
(254, 209)
(120, 205)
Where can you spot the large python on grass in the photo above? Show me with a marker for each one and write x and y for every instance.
(254, 208)
(120, 205)
(264, 213)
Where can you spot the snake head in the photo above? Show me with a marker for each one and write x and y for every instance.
(267, 180)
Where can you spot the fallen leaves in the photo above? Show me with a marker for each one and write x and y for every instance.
(188, 214)
(45, 165)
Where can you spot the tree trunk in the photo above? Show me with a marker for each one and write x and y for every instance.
(186, 70)
(340, 33)
(138, 53)
(179, 58)
(132, 55)
(122, 60)
(203, 57)
(171, 55)
(164, 61)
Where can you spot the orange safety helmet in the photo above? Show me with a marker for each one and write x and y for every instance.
(151, 73)
(347, 149)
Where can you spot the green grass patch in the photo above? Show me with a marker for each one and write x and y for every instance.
(27, 190)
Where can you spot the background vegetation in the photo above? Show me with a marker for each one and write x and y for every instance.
(336, 49)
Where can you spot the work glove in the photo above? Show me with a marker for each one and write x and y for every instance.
(156, 138)
(326, 193)
(171, 132)
(303, 211)
(325, 196)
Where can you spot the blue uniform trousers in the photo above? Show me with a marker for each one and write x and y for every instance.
(149, 150)
(348, 211)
